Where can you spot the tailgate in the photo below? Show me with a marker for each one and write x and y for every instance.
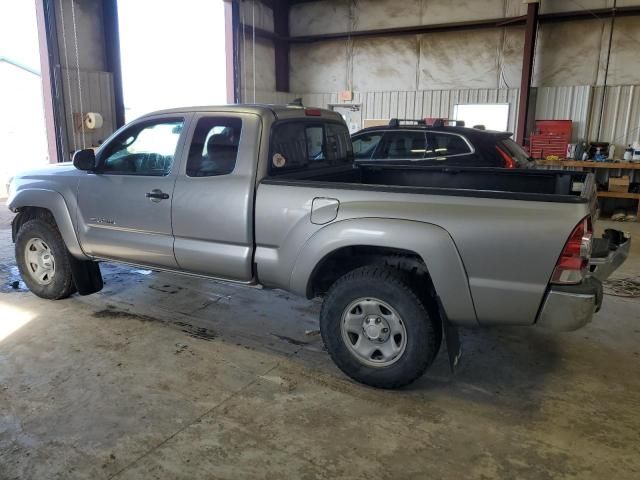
(589, 191)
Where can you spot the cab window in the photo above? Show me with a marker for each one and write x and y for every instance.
(308, 145)
(214, 147)
(146, 148)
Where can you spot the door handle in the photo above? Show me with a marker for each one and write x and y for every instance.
(156, 195)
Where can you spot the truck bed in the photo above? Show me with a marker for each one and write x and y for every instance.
(518, 184)
(508, 226)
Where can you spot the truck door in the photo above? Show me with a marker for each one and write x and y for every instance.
(213, 197)
(124, 208)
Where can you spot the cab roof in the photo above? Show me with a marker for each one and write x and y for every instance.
(279, 112)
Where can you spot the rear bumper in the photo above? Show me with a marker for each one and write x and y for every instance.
(570, 307)
(614, 250)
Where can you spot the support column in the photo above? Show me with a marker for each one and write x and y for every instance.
(112, 55)
(281, 10)
(231, 28)
(527, 70)
(50, 73)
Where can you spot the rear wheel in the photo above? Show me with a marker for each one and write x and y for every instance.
(43, 260)
(376, 328)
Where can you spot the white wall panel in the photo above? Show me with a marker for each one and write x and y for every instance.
(333, 16)
(329, 16)
(97, 96)
(265, 77)
(369, 73)
(320, 67)
(374, 14)
(567, 53)
(624, 65)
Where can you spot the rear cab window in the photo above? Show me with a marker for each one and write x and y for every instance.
(299, 145)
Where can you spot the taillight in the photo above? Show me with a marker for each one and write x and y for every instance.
(574, 259)
(508, 161)
(312, 112)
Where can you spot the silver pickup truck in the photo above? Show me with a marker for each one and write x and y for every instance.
(269, 195)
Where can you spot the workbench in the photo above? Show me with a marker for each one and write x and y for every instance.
(575, 164)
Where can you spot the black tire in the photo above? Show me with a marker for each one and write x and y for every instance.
(423, 333)
(60, 284)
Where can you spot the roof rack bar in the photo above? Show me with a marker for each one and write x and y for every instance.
(395, 122)
(434, 122)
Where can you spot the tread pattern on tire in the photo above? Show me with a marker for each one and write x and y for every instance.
(63, 267)
(398, 279)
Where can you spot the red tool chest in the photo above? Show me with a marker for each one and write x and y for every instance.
(550, 138)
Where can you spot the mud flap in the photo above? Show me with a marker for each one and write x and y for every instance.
(86, 275)
(454, 347)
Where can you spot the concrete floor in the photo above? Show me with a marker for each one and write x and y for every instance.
(162, 376)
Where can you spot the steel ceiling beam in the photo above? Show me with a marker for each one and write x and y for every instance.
(600, 13)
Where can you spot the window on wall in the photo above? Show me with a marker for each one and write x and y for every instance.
(493, 116)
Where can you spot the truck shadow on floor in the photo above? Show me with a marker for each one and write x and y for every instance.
(509, 365)
(503, 366)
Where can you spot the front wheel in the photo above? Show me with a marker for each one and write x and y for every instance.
(43, 260)
(376, 329)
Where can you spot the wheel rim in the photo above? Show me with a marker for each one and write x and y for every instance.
(38, 257)
(374, 332)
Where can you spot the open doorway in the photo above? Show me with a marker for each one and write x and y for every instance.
(23, 138)
(172, 54)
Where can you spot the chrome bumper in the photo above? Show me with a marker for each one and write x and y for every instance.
(570, 307)
(603, 266)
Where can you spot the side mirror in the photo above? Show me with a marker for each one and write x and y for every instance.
(85, 160)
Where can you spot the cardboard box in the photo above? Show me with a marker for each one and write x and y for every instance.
(619, 184)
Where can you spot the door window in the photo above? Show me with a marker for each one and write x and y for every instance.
(402, 145)
(146, 148)
(446, 145)
(364, 145)
(214, 147)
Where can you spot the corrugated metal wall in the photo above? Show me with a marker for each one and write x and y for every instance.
(621, 118)
(581, 104)
(97, 96)
(420, 104)
(565, 103)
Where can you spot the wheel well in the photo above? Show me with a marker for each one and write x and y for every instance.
(29, 213)
(343, 260)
